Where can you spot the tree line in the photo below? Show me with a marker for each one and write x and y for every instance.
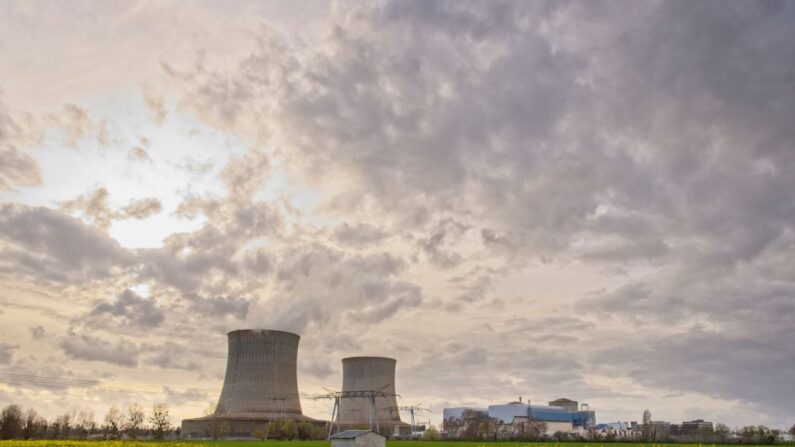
(474, 425)
(134, 423)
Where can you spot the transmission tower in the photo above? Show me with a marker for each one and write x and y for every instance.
(370, 395)
(412, 409)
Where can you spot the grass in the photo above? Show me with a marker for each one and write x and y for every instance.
(60, 443)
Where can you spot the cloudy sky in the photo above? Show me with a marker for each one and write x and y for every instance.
(540, 199)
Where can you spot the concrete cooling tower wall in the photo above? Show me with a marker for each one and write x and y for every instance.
(261, 385)
(261, 377)
(369, 373)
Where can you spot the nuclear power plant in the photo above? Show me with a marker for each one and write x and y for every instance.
(370, 374)
(260, 385)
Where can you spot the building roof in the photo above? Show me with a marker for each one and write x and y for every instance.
(352, 434)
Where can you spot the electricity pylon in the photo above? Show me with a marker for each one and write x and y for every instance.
(370, 395)
(412, 409)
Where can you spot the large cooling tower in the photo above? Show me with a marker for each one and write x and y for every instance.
(261, 377)
(261, 385)
(369, 373)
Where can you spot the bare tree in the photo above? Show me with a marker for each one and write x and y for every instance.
(160, 421)
(472, 422)
(114, 422)
(85, 423)
(11, 422)
(646, 425)
(535, 429)
(489, 427)
(722, 432)
(35, 426)
(65, 423)
(135, 420)
(216, 426)
(748, 434)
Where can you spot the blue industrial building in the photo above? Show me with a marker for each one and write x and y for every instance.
(565, 415)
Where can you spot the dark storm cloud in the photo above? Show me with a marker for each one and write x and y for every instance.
(652, 136)
(214, 260)
(753, 368)
(319, 369)
(324, 287)
(44, 243)
(471, 365)
(95, 349)
(434, 245)
(127, 309)
(16, 167)
(222, 305)
(170, 355)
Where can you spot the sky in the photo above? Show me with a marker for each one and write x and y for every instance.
(591, 200)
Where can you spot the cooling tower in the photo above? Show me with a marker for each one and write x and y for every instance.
(261, 377)
(260, 384)
(370, 373)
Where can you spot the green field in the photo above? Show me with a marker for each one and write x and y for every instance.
(54, 443)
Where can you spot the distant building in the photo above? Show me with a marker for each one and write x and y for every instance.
(358, 438)
(618, 430)
(659, 431)
(566, 404)
(697, 426)
(786, 437)
(517, 419)
(693, 431)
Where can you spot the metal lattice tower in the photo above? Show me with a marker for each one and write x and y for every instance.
(369, 395)
(412, 409)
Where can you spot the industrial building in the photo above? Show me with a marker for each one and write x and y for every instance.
(566, 404)
(698, 430)
(260, 385)
(371, 374)
(518, 418)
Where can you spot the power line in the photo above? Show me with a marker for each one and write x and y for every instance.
(66, 383)
(370, 395)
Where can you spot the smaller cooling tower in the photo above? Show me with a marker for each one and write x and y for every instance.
(370, 373)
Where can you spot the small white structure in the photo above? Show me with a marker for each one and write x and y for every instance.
(357, 438)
